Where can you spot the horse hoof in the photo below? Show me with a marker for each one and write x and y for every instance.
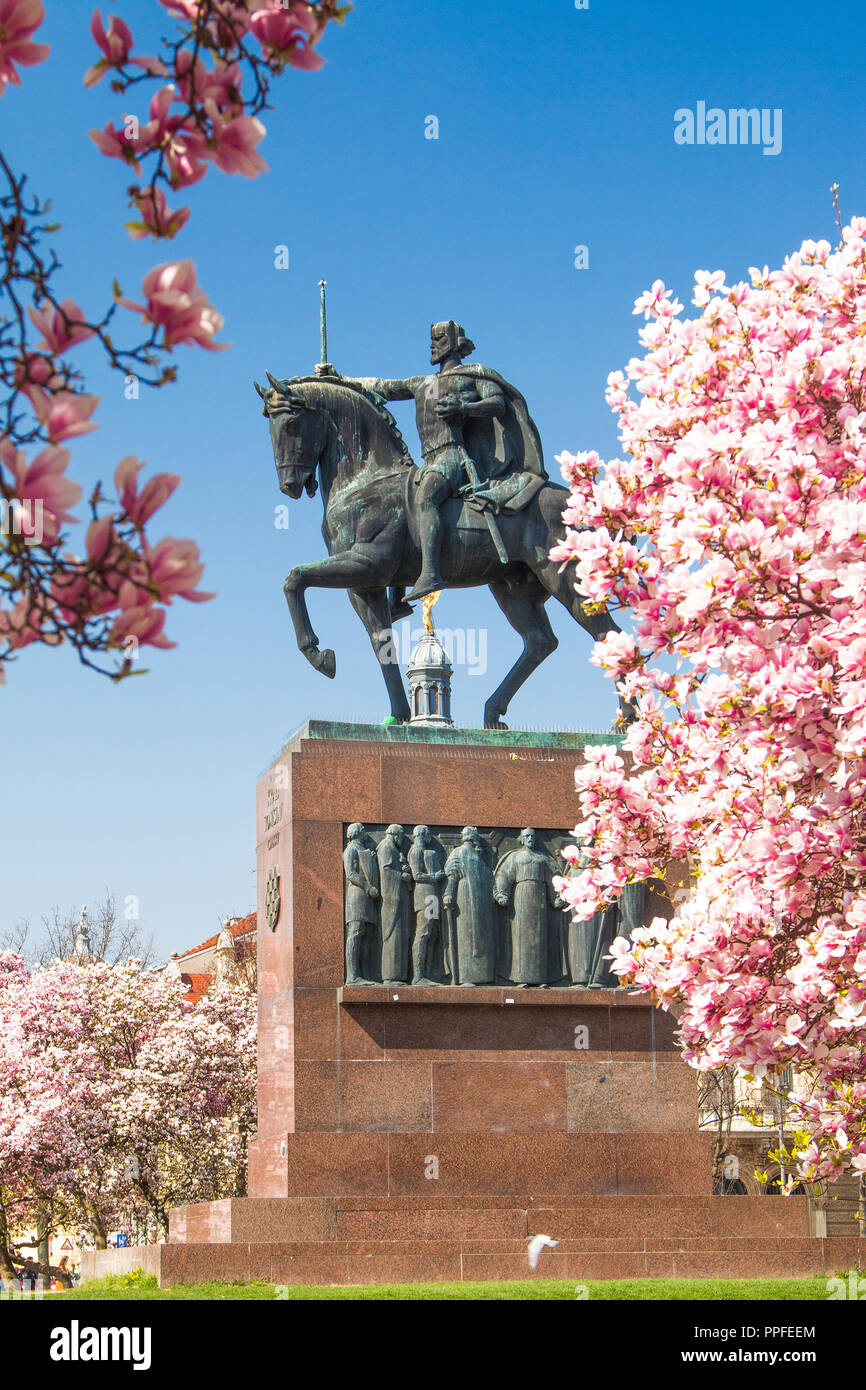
(326, 662)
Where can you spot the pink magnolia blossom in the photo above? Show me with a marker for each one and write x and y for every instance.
(125, 579)
(175, 303)
(157, 217)
(100, 538)
(115, 43)
(175, 569)
(220, 84)
(19, 19)
(39, 369)
(183, 9)
(285, 33)
(19, 625)
(117, 144)
(734, 533)
(140, 507)
(41, 489)
(64, 414)
(183, 146)
(707, 283)
(60, 330)
(145, 622)
(233, 147)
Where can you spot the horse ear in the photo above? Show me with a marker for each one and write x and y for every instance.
(264, 395)
(277, 385)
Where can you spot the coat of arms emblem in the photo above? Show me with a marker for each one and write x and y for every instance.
(272, 897)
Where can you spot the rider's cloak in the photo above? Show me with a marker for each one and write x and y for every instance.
(510, 445)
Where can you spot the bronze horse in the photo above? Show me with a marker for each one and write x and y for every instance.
(368, 478)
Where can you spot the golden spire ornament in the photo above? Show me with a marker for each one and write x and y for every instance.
(427, 603)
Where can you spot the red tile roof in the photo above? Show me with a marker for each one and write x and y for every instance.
(240, 926)
(197, 987)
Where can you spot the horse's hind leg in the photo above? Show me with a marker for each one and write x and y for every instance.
(560, 585)
(523, 606)
(374, 610)
(598, 625)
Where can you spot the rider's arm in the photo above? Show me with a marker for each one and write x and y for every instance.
(492, 402)
(391, 390)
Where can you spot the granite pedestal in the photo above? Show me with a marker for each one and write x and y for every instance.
(425, 1133)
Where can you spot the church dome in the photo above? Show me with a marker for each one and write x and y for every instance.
(430, 683)
(429, 655)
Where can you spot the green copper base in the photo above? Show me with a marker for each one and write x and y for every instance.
(392, 732)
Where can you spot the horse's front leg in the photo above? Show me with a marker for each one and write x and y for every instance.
(374, 610)
(344, 570)
(308, 642)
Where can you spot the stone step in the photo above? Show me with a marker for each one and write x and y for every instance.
(749, 1221)
(375, 1262)
(443, 1216)
(759, 1217)
(443, 1245)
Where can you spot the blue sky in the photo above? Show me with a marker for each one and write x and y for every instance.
(555, 130)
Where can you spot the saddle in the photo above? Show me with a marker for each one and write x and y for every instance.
(503, 496)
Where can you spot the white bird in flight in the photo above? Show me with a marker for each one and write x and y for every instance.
(536, 1245)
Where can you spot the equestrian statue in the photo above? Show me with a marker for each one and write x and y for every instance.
(480, 509)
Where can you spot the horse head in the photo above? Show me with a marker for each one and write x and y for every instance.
(299, 433)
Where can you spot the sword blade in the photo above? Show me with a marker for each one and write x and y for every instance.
(472, 471)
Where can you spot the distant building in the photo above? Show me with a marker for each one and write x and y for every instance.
(229, 955)
(747, 1119)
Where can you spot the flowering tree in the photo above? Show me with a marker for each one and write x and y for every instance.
(113, 936)
(734, 529)
(17, 1206)
(210, 81)
(118, 1100)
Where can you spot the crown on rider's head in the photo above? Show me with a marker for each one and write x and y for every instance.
(457, 339)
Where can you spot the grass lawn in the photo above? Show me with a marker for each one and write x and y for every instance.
(144, 1287)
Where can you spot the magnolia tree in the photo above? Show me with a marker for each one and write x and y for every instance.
(118, 1100)
(208, 84)
(734, 530)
